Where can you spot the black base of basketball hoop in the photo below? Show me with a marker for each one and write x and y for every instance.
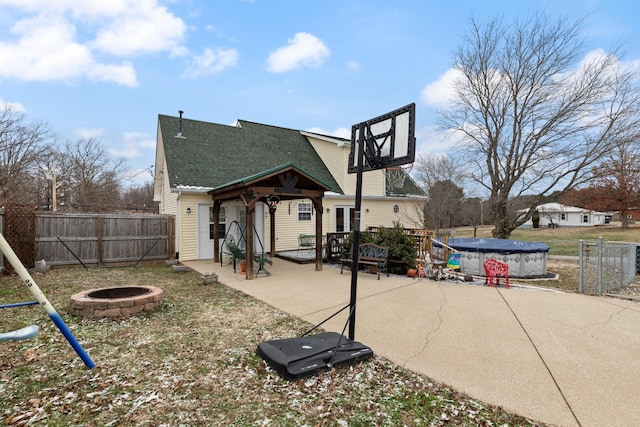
(294, 358)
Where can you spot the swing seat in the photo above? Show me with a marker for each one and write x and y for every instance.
(20, 334)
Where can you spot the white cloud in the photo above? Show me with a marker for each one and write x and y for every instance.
(45, 51)
(132, 145)
(438, 93)
(211, 62)
(304, 50)
(143, 28)
(13, 106)
(430, 140)
(122, 27)
(70, 40)
(123, 74)
(77, 8)
(140, 139)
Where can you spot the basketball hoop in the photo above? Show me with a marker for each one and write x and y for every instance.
(397, 175)
(273, 202)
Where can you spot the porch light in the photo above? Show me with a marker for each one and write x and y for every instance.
(188, 210)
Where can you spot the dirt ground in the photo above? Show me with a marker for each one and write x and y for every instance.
(631, 291)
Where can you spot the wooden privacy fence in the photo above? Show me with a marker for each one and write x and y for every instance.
(70, 238)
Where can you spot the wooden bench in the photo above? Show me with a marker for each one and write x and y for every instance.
(370, 254)
(493, 269)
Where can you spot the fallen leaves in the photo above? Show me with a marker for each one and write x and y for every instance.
(193, 363)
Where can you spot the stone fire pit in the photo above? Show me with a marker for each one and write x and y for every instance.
(115, 302)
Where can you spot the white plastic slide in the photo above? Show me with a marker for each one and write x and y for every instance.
(20, 334)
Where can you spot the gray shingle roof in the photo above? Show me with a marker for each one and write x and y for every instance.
(211, 154)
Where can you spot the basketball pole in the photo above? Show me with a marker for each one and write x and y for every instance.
(356, 235)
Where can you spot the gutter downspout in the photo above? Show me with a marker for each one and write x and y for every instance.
(178, 226)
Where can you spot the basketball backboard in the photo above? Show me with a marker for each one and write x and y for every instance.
(388, 140)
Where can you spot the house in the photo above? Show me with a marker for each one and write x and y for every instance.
(220, 180)
(633, 215)
(559, 215)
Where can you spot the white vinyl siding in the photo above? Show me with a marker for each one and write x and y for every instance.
(188, 245)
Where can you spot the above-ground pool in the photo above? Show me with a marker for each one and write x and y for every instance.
(525, 259)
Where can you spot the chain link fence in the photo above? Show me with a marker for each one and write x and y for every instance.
(605, 266)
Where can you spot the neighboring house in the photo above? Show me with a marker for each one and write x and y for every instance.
(206, 171)
(559, 215)
(633, 215)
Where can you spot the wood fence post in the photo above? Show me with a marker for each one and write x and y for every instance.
(99, 233)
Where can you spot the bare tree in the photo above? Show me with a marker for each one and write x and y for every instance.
(91, 177)
(615, 183)
(140, 198)
(431, 168)
(24, 147)
(533, 113)
(443, 205)
(440, 179)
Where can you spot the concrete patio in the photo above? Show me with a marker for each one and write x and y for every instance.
(559, 358)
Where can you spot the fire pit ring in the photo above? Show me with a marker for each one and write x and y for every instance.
(115, 302)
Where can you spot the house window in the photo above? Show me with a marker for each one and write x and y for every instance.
(222, 226)
(563, 216)
(585, 218)
(304, 211)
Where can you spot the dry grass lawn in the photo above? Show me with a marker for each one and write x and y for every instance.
(192, 363)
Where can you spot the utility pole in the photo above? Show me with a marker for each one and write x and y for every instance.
(51, 175)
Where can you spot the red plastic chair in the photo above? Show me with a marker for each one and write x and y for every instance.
(493, 269)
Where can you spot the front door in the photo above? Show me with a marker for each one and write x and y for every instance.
(205, 230)
(345, 217)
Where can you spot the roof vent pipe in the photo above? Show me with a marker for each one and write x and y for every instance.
(179, 134)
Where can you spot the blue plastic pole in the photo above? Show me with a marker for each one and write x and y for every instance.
(43, 301)
(19, 304)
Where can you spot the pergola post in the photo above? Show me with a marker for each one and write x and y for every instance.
(249, 200)
(272, 232)
(317, 204)
(216, 230)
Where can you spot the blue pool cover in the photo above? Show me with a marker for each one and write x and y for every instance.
(501, 246)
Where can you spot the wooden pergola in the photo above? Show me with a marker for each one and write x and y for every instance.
(287, 182)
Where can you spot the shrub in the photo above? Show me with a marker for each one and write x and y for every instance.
(365, 237)
(402, 247)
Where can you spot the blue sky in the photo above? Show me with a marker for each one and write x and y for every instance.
(107, 68)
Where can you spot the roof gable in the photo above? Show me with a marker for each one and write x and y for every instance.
(274, 177)
(211, 155)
